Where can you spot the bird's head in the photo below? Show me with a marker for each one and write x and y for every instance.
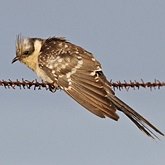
(27, 50)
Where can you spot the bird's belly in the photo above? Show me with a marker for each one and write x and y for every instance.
(41, 74)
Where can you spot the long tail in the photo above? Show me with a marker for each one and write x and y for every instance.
(143, 124)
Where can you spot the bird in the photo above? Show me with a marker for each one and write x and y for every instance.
(76, 71)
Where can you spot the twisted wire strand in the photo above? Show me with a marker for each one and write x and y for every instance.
(35, 84)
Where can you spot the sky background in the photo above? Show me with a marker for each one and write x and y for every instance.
(40, 127)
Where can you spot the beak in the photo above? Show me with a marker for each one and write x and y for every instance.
(15, 59)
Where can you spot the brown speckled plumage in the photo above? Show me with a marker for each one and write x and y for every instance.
(80, 75)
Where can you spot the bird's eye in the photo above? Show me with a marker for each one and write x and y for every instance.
(26, 52)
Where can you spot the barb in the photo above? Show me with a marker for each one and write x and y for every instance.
(25, 84)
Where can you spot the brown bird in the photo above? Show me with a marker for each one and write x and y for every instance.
(76, 71)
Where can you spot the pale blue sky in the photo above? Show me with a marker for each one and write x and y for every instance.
(39, 127)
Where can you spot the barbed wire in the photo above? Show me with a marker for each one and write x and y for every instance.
(35, 84)
(156, 84)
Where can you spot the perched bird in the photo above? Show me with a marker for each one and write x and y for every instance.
(76, 71)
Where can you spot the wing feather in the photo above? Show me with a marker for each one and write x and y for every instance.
(84, 101)
(99, 99)
(92, 100)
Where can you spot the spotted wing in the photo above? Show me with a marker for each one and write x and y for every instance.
(80, 76)
(76, 72)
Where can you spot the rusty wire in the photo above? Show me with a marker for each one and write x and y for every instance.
(26, 84)
(156, 84)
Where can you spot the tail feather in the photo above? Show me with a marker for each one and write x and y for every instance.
(135, 117)
(143, 128)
